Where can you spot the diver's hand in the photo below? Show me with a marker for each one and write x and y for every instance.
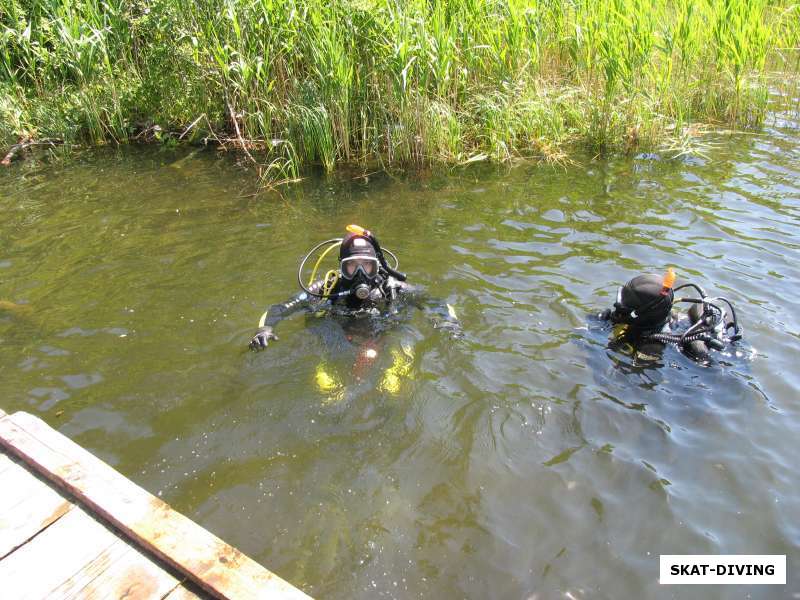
(453, 328)
(262, 337)
(449, 322)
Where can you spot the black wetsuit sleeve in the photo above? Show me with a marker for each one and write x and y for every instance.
(442, 314)
(300, 301)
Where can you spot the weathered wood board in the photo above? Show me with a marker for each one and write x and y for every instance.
(145, 520)
(181, 593)
(6, 462)
(56, 554)
(121, 571)
(27, 505)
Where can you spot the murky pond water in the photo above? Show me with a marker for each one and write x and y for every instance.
(525, 460)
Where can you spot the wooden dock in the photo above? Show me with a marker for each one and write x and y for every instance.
(73, 527)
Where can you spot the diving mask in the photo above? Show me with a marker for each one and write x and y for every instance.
(367, 265)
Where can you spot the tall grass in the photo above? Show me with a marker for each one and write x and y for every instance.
(392, 81)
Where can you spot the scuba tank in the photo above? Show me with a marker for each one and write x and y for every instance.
(696, 348)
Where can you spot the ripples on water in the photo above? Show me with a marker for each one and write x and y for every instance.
(525, 460)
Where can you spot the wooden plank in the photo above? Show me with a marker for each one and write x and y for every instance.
(181, 593)
(6, 462)
(206, 560)
(121, 571)
(18, 485)
(27, 505)
(40, 566)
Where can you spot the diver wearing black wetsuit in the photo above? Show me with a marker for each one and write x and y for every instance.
(365, 285)
(644, 308)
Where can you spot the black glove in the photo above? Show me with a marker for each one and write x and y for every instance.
(262, 337)
(453, 328)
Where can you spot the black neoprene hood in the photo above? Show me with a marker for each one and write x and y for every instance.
(644, 302)
(356, 245)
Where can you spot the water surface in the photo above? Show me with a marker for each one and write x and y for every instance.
(526, 460)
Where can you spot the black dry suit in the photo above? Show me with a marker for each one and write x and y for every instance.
(645, 306)
(365, 285)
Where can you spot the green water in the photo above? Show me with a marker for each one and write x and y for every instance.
(524, 460)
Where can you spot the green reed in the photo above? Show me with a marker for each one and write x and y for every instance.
(392, 82)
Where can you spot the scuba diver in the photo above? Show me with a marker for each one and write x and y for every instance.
(364, 288)
(644, 317)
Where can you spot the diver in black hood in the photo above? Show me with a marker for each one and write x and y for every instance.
(364, 284)
(644, 310)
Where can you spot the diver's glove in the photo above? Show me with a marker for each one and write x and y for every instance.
(262, 337)
(449, 323)
(453, 328)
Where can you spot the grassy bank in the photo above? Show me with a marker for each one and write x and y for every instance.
(395, 82)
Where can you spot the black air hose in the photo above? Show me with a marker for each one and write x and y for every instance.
(679, 340)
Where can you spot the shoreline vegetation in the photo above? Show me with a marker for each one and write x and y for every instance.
(392, 83)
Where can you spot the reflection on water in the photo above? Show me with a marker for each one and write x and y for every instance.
(525, 460)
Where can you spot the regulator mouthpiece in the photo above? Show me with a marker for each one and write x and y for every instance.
(362, 291)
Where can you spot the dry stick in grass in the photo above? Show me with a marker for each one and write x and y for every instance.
(148, 133)
(239, 134)
(195, 122)
(24, 144)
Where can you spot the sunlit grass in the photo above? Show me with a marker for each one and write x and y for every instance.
(390, 82)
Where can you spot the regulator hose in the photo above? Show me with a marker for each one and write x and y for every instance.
(681, 340)
(319, 261)
(391, 271)
(306, 288)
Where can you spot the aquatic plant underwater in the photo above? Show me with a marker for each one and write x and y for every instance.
(391, 83)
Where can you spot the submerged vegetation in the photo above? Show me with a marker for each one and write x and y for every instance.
(389, 81)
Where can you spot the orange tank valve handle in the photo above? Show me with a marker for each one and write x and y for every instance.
(357, 229)
(669, 280)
